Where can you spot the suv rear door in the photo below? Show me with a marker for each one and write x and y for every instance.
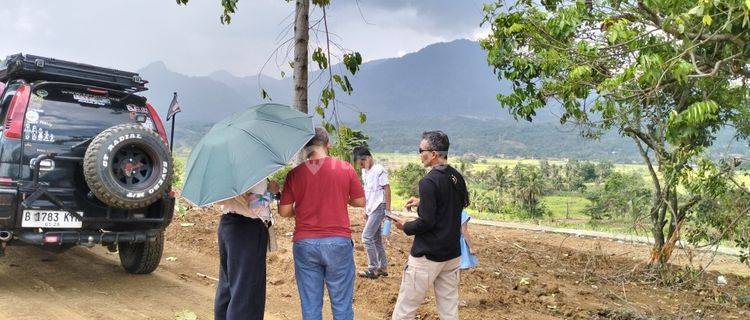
(62, 119)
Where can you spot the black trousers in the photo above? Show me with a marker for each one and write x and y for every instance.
(241, 293)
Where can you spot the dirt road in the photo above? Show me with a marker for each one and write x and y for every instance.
(521, 275)
(89, 284)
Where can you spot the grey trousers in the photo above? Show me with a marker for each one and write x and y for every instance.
(373, 240)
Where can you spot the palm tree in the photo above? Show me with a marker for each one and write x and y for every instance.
(530, 187)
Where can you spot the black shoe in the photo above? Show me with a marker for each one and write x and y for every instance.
(382, 273)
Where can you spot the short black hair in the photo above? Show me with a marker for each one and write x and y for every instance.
(360, 152)
(320, 139)
(437, 141)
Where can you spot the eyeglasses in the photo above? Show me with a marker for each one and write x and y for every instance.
(423, 150)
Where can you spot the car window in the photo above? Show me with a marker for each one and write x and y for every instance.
(70, 114)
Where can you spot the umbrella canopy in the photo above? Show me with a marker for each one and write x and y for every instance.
(242, 150)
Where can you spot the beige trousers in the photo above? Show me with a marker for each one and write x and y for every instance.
(419, 275)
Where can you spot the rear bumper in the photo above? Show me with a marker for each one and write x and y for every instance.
(86, 238)
(157, 216)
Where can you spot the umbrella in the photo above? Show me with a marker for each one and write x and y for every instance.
(242, 150)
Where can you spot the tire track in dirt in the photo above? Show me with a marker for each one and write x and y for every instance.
(89, 284)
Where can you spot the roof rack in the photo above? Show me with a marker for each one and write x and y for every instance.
(31, 68)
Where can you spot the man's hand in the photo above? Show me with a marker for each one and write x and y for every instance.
(286, 210)
(412, 202)
(357, 203)
(398, 221)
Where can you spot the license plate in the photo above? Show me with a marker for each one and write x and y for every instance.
(50, 219)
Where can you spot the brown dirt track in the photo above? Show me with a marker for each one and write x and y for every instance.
(568, 278)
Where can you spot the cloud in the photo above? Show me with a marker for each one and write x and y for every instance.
(130, 34)
(446, 18)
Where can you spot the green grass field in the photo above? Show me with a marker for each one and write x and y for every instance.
(397, 160)
(566, 210)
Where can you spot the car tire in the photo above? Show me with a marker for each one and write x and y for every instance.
(143, 257)
(128, 166)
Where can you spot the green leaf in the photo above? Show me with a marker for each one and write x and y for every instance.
(327, 95)
(185, 315)
(579, 73)
(319, 110)
(264, 95)
(362, 118)
(515, 28)
(747, 4)
(348, 85)
(681, 70)
(707, 19)
(352, 61)
(700, 112)
(283, 74)
(329, 127)
(319, 57)
(696, 11)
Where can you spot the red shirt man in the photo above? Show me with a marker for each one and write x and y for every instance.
(316, 193)
(321, 190)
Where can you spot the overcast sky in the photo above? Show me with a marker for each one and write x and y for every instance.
(130, 34)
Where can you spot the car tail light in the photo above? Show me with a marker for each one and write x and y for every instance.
(6, 181)
(157, 122)
(16, 112)
(99, 91)
(51, 239)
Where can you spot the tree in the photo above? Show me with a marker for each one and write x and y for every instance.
(667, 74)
(407, 179)
(351, 60)
(621, 195)
(573, 179)
(529, 188)
(299, 76)
(724, 219)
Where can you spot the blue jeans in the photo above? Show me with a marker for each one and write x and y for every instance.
(329, 261)
(373, 240)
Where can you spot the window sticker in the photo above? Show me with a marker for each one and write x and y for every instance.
(88, 98)
(148, 124)
(42, 93)
(35, 102)
(134, 108)
(32, 116)
(34, 133)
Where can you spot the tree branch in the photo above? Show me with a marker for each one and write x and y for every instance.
(653, 16)
(642, 136)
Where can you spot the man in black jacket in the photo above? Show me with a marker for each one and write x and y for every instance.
(435, 253)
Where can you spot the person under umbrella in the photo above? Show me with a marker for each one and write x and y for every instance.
(229, 167)
(243, 240)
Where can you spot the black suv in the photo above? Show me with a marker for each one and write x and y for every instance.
(83, 161)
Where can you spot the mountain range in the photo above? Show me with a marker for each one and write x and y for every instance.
(446, 86)
(443, 79)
